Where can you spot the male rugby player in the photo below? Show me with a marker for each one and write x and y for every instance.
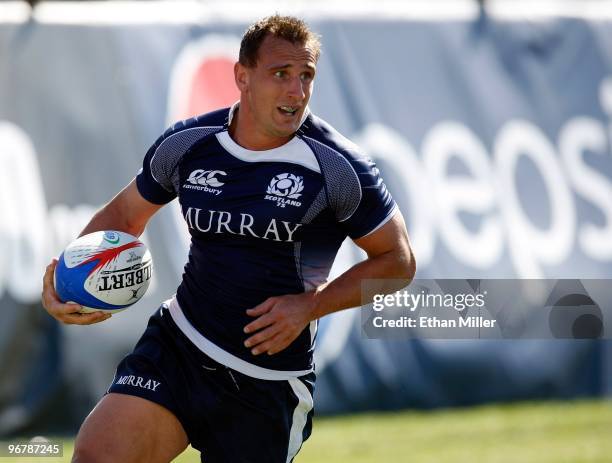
(268, 191)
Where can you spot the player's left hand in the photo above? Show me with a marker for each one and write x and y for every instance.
(279, 321)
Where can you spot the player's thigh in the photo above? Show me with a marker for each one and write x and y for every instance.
(129, 429)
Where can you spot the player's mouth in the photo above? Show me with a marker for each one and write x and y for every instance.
(288, 110)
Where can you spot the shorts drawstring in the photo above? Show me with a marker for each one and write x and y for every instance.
(229, 372)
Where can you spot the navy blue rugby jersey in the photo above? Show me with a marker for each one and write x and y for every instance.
(262, 224)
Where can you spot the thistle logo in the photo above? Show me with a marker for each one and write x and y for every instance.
(201, 180)
(285, 189)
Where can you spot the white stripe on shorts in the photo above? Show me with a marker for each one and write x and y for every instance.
(300, 415)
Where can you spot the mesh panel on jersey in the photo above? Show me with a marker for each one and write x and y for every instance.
(297, 251)
(169, 152)
(317, 206)
(341, 180)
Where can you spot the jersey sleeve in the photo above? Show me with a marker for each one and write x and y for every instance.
(158, 180)
(368, 205)
(355, 191)
(155, 179)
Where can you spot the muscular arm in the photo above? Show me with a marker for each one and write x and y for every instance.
(389, 257)
(128, 212)
(281, 319)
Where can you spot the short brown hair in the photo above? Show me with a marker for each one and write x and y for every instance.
(288, 28)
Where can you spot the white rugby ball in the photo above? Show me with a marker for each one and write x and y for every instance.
(105, 270)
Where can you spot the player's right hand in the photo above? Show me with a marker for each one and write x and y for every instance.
(65, 313)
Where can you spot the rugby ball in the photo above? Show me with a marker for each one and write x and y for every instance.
(105, 270)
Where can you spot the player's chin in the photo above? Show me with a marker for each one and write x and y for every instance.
(284, 132)
(285, 127)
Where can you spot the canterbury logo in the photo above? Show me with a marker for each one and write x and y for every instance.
(206, 178)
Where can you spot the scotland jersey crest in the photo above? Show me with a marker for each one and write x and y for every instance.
(285, 189)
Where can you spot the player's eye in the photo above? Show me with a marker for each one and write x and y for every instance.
(306, 77)
(279, 74)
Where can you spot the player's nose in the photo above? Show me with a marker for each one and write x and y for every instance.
(296, 89)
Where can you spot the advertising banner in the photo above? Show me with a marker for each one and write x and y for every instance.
(494, 137)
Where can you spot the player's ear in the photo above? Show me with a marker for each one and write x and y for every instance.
(241, 76)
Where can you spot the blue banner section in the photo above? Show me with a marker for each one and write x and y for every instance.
(493, 136)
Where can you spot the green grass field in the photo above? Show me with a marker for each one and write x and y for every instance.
(550, 432)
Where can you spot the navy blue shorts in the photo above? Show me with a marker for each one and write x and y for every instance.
(228, 416)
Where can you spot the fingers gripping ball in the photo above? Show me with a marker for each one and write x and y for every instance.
(105, 270)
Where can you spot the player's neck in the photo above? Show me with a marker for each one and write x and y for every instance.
(244, 132)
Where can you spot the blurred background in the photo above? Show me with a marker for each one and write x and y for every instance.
(491, 122)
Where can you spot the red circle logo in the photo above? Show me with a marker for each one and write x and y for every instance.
(202, 78)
